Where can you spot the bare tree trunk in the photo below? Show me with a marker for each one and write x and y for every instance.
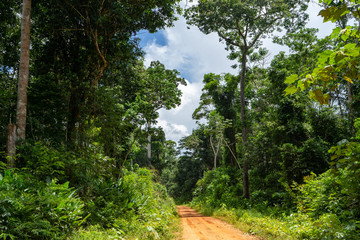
(214, 151)
(351, 113)
(149, 146)
(243, 124)
(11, 144)
(23, 71)
(17, 132)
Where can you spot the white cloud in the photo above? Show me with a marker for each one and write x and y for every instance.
(173, 131)
(190, 51)
(195, 54)
(178, 122)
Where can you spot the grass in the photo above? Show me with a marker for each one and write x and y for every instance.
(252, 222)
(97, 233)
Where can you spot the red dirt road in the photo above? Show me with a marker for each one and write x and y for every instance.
(198, 227)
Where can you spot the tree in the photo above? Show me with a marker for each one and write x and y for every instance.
(215, 129)
(82, 40)
(23, 71)
(220, 91)
(160, 90)
(22, 85)
(242, 25)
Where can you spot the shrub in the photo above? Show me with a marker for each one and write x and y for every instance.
(42, 161)
(30, 209)
(133, 205)
(331, 201)
(218, 188)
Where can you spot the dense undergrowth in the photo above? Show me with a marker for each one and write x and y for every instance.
(50, 197)
(324, 207)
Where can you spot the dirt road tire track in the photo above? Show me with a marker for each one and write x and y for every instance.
(198, 227)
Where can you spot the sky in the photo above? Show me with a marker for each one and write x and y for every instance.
(194, 54)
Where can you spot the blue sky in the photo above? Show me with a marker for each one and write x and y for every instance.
(148, 38)
(194, 54)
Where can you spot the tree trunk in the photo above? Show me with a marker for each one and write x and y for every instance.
(11, 144)
(243, 124)
(16, 133)
(149, 146)
(23, 72)
(231, 156)
(73, 118)
(350, 107)
(214, 151)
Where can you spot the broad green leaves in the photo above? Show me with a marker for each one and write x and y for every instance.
(334, 13)
(334, 67)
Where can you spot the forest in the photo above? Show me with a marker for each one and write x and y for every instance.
(276, 150)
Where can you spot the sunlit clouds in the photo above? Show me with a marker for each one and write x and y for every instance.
(194, 54)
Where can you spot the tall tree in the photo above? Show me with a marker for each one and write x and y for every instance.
(160, 90)
(23, 70)
(83, 40)
(241, 24)
(22, 84)
(220, 91)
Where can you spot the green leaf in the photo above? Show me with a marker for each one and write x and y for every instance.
(339, 56)
(335, 33)
(291, 79)
(291, 90)
(326, 14)
(324, 57)
(352, 50)
(344, 37)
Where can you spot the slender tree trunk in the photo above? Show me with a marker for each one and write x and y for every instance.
(23, 71)
(149, 146)
(351, 113)
(214, 151)
(17, 133)
(243, 124)
(230, 134)
(74, 114)
(11, 144)
(149, 141)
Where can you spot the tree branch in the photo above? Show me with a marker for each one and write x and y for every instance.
(73, 7)
(228, 40)
(232, 153)
(261, 32)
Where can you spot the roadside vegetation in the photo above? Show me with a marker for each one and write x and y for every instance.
(135, 206)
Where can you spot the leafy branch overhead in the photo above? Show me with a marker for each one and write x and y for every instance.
(336, 66)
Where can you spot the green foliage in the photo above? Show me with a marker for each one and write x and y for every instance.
(220, 91)
(328, 206)
(219, 188)
(34, 210)
(43, 162)
(337, 66)
(133, 205)
(183, 178)
(96, 233)
(298, 162)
